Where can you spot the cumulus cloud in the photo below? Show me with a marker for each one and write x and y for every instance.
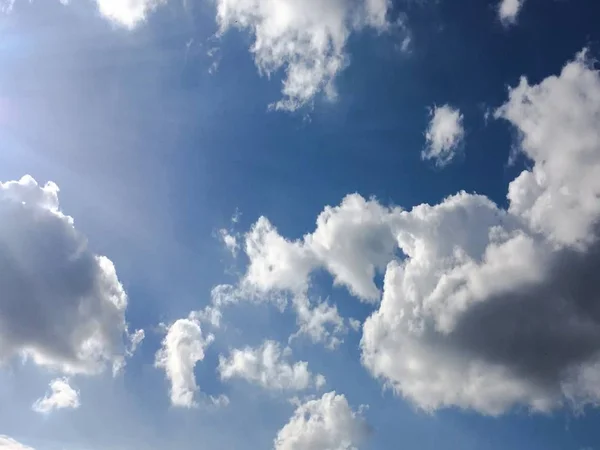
(306, 38)
(61, 396)
(444, 135)
(493, 308)
(62, 306)
(182, 347)
(279, 267)
(275, 262)
(269, 367)
(128, 13)
(325, 423)
(352, 241)
(482, 307)
(7, 443)
(557, 120)
(508, 10)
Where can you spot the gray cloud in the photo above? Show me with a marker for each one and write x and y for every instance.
(540, 330)
(61, 304)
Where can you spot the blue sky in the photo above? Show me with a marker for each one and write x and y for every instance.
(271, 191)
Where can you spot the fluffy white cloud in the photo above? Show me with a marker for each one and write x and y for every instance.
(62, 306)
(269, 367)
(487, 308)
(363, 224)
(306, 38)
(128, 13)
(508, 10)
(558, 123)
(61, 396)
(353, 241)
(444, 135)
(495, 308)
(182, 347)
(276, 263)
(7, 443)
(328, 423)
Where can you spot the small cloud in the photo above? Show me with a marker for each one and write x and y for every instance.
(230, 241)
(221, 401)
(182, 348)
(236, 216)
(444, 135)
(508, 10)
(354, 324)
(214, 53)
(128, 13)
(406, 44)
(61, 396)
(328, 422)
(268, 366)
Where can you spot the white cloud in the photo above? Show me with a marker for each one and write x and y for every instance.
(444, 135)
(362, 223)
(508, 10)
(491, 308)
(328, 423)
(279, 267)
(62, 306)
(277, 263)
(128, 13)
(487, 308)
(136, 339)
(306, 38)
(268, 367)
(558, 123)
(61, 396)
(124, 13)
(7, 443)
(182, 347)
(321, 322)
(230, 241)
(211, 315)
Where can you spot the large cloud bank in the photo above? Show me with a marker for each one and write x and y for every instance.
(487, 308)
